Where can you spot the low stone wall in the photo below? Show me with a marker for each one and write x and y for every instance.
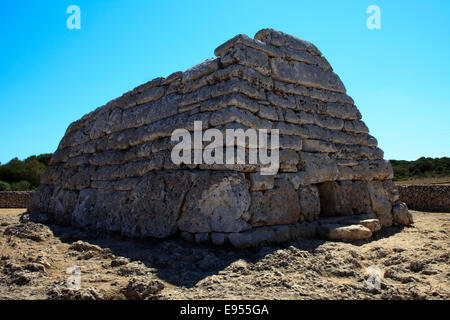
(433, 198)
(15, 199)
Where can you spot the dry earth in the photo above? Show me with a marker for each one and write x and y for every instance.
(34, 259)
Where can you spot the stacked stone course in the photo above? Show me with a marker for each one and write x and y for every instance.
(423, 197)
(113, 171)
(15, 199)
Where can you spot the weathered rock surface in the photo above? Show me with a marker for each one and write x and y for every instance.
(340, 232)
(113, 169)
(401, 214)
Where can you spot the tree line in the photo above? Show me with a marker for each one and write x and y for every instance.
(23, 175)
(421, 168)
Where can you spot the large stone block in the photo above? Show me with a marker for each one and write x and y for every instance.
(305, 74)
(309, 201)
(248, 57)
(216, 202)
(319, 167)
(279, 205)
(379, 198)
(156, 204)
(340, 232)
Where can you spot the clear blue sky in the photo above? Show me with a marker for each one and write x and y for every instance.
(399, 76)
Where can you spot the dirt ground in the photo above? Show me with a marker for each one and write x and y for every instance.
(40, 262)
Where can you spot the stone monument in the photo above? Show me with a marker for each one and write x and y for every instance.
(113, 169)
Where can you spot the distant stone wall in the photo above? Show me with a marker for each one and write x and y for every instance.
(435, 198)
(15, 199)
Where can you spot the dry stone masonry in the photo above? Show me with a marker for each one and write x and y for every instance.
(15, 199)
(426, 197)
(112, 170)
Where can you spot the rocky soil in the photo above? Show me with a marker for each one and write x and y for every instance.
(37, 262)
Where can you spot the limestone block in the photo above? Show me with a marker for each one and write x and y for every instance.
(278, 39)
(356, 126)
(309, 201)
(244, 117)
(373, 225)
(288, 160)
(373, 169)
(401, 215)
(247, 56)
(107, 158)
(114, 122)
(291, 142)
(234, 99)
(386, 220)
(329, 96)
(143, 87)
(358, 152)
(304, 56)
(328, 122)
(277, 206)
(83, 214)
(309, 131)
(284, 102)
(77, 161)
(260, 236)
(151, 94)
(52, 175)
(99, 127)
(343, 111)
(305, 74)
(311, 145)
(216, 202)
(340, 232)
(306, 230)
(233, 85)
(260, 182)
(199, 95)
(163, 108)
(299, 117)
(204, 68)
(61, 205)
(319, 167)
(242, 39)
(157, 202)
(268, 112)
(290, 88)
(391, 190)
(79, 179)
(380, 202)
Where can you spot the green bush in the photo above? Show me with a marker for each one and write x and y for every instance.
(421, 168)
(21, 186)
(30, 169)
(4, 186)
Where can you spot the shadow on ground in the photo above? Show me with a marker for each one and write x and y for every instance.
(183, 263)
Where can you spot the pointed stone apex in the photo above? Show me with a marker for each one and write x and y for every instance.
(278, 39)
